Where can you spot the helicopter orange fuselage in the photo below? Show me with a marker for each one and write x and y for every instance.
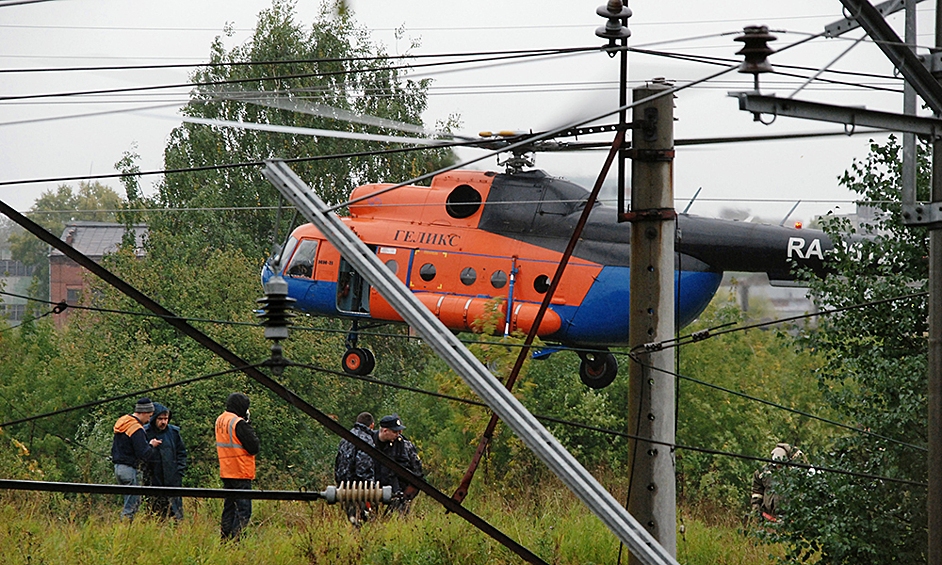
(467, 263)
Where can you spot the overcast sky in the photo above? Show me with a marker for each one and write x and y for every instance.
(766, 178)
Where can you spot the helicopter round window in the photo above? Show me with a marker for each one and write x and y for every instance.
(541, 284)
(427, 272)
(468, 276)
(463, 201)
(393, 266)
(498, 279)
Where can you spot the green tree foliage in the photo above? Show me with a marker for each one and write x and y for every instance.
(763, 364)
(874, 376)
(332, 63)
(96, 202)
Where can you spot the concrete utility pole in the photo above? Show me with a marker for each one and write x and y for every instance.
(934, 397)
(652, 498)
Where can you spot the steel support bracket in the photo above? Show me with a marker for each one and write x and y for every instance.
(652, 215)
(849, 116)
(650, 155)
(927, 214)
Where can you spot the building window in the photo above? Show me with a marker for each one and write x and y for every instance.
(73, 295)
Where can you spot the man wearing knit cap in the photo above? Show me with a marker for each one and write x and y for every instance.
(129, 448)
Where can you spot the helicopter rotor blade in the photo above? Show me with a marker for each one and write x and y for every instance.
(294, 130)
(302, 106)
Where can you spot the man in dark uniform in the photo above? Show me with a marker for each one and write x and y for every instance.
(168, 469)
(390, 442)
(353, 466)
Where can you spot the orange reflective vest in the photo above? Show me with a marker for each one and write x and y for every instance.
(234, 461)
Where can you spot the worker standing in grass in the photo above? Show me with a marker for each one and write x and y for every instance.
(236, 446)
(390, 442)
(353, 467)
(169, 465)
(765, 500)
(130, 448)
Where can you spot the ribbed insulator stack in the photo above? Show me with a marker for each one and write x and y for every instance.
(358, 491)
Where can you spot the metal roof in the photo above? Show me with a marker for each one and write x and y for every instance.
(97, 239)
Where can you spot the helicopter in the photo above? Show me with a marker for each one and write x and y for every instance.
(478, 242)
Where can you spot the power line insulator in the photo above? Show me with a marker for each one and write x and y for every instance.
(755, 50)
(616, 28)
(276, 317)
(357, 491)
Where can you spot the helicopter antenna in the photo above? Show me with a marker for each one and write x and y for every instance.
(785, 219)
(692, 200)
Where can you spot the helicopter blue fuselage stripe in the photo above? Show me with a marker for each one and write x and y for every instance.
(601, 319)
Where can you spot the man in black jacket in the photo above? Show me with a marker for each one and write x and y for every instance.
(129, 448)
(390, 442)
(168, 469)
(352, 466)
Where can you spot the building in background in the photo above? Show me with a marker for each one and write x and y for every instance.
(93, 239)
(15, 278)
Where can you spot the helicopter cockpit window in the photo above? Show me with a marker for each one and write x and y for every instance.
(468, 276)
(302, 262)
(280, 254)
(498, 279)
(541, 284)
(463, 202)
(427, 272)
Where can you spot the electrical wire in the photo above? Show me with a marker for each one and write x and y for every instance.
(284, 61)
(138, 393)
(616, 433)
(555, 52)
(708, 333)
(631, 355)
(776, 405)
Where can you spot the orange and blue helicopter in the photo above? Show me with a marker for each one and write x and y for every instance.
(475, 239)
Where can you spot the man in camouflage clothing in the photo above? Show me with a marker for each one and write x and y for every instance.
(764, 498)
(351, 466)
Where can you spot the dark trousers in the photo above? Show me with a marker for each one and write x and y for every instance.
(235, 511)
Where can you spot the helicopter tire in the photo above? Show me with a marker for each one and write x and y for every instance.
(598, 371)
(358, 361)
(370, 361)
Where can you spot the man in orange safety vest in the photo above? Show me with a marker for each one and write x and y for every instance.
(236, 446)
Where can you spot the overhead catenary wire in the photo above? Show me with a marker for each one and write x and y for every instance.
(557, 52)
(563, 348)
(708, 333)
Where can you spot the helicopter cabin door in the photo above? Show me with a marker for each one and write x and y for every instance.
(398, 261)
(353, 291)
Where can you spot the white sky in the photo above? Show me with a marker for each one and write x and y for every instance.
(66, 33)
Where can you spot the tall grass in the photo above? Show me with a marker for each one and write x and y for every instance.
(42, 528)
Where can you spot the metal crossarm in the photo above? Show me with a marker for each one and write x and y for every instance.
(640, 542)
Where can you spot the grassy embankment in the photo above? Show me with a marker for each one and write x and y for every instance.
(48, 529)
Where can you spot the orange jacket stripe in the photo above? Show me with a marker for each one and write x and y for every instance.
(234, 461)
(127, 424)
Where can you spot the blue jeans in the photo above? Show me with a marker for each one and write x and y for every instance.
(235, 511)
(127, 475)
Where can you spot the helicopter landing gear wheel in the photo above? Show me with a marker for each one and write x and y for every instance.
(358, 361)
(598, 369)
